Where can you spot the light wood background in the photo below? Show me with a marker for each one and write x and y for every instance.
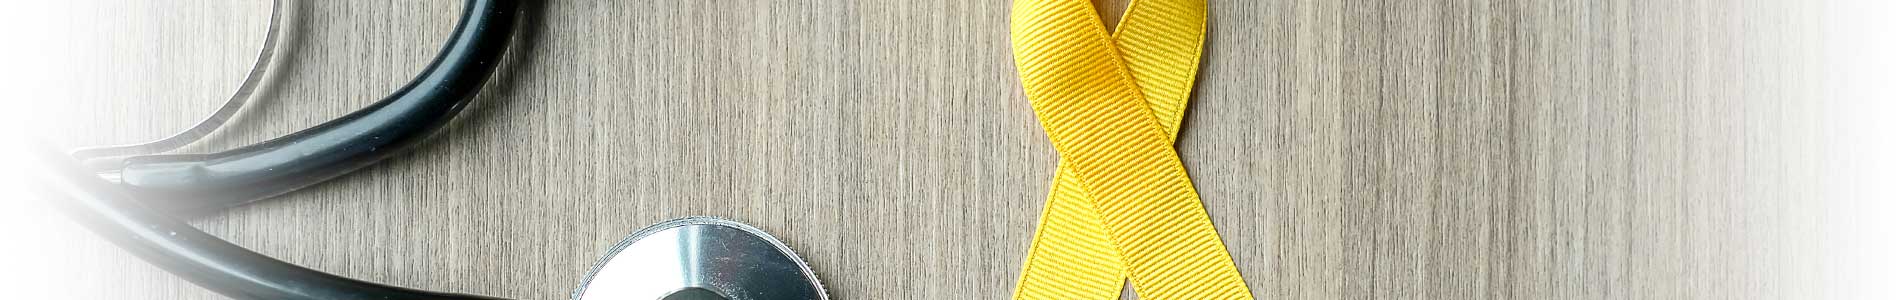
(1514, 149)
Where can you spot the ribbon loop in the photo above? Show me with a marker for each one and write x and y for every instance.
(1121, 205)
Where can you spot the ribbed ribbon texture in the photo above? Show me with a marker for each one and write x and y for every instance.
(1121, 206)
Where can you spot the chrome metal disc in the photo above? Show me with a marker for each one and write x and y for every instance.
(699, 258)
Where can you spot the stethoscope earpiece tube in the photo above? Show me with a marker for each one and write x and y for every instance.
(196, 184)
(138, 213)
(189, 253)
(137, 202)
(114, 156)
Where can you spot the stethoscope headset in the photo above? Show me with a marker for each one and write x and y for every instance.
(135, 201)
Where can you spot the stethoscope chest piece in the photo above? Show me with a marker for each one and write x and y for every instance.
(700, 258)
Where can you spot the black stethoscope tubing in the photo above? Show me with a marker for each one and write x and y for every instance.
(197, 184)
(196, 256)
(167, 186)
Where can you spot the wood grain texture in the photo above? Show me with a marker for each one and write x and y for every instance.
(1508, 149)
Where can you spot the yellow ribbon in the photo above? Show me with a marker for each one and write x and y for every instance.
(1121, 205)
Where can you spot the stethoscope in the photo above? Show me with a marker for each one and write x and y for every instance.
(133, 200)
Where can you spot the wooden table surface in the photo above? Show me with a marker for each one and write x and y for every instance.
(1517, 149)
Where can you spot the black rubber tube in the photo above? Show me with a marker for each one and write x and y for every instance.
(187, 252)
(197, 184)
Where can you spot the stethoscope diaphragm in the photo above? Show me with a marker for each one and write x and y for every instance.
(700, 258)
